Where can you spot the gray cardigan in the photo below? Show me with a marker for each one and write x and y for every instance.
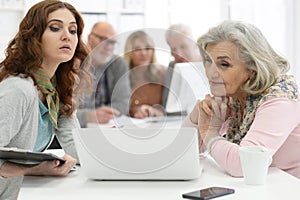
(19, 125)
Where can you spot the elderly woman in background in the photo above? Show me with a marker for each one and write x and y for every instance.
(146, 76)
(253, 101)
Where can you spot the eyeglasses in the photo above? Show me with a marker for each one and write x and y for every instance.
(104, 39)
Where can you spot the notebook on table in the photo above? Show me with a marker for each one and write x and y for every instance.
(22, 156)
(138, 153)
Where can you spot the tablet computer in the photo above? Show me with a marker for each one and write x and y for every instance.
(22, 156)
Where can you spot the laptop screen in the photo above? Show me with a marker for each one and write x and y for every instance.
(188, 84)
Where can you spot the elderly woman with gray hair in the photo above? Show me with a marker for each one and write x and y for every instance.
(252, 102)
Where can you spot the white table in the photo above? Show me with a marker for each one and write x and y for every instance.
(279, 185)
(124, 121)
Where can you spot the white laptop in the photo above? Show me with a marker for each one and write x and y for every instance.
(188, 84)
(138, 153)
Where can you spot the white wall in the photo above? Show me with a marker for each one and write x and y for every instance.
(293, 36)
(198, 14)
(8, 29)
(11, 12)
(279, 20)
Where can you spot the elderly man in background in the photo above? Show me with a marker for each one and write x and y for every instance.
(183, 49)
(111, 92)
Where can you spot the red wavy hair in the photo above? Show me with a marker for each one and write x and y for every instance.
(24, 53)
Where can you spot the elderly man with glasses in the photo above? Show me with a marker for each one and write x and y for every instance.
(111, 92)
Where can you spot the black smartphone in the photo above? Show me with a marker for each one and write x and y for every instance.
(208, 193)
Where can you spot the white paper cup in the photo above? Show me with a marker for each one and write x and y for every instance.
(255, 161)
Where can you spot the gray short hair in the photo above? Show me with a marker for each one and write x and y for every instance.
(254, 51)
(178, 29)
